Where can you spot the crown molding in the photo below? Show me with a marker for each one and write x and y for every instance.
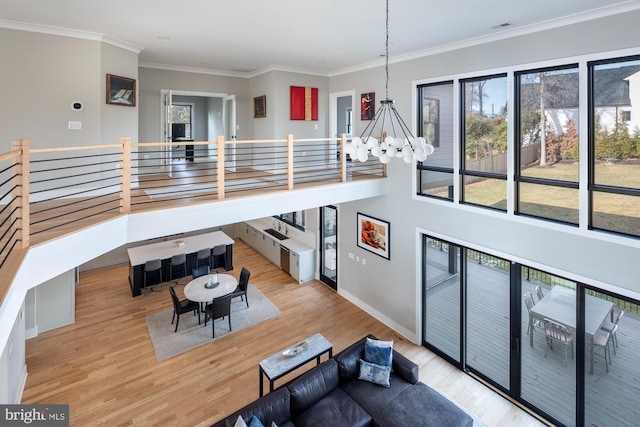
(66, 32)
(239, 74)
(603, 12)
(169, 67)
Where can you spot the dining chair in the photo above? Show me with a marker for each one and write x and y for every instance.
(218, 309)
(243, 285)
(602, 340)
(217, 251)
(530, 302)
(539, 292)
(608, 326)
(203, 255)
(152, 266)
(181, 307)
(558, 333)
(178, 263)
(200, 271)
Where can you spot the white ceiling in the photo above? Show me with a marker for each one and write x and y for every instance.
(242, 37)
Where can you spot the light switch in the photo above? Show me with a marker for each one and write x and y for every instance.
(364, 261)
(351, 255)
(75, 125)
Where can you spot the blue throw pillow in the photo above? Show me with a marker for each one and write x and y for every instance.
(255, 422)
(378, 352)
(373, 373)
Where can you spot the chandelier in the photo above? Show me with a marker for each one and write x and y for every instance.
(393, 138)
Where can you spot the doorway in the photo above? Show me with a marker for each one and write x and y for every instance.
(329, 246)
(211, 115)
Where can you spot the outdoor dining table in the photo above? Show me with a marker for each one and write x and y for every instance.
(559, 305)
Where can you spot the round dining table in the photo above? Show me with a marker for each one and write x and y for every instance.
(196, 290)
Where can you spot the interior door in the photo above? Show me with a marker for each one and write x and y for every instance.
(329, 246)
(229, 112)
(165, 124)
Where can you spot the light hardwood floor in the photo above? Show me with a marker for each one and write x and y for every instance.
(104, 366)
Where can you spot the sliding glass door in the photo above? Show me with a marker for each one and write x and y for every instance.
(488, 316)
(566, 350)
(442, 298)
(329, 246)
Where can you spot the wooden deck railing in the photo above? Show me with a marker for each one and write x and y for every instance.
(48, 192)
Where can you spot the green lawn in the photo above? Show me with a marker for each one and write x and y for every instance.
(611, 211)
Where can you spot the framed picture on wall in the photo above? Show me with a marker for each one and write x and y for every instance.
(373, 235)
(367, 106)
(260, 106)
(121, 90)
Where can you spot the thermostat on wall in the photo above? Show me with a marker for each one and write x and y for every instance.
(76, 106)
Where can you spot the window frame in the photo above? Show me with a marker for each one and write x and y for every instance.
(464, 172)
(421, 166)
(592, 186)
(518, 177)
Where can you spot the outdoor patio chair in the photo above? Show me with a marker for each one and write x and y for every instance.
(539, 292)
(609, 326)
(530, 302)
(602, 340)
(556, 332)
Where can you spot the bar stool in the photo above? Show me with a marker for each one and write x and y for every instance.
(152, 266)
(178, 263)
(203, 254)
(218, 251)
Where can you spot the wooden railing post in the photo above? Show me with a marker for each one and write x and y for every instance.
(21, 178)
(289, 161)
(343, 158)
(125, 175)
(220, 166)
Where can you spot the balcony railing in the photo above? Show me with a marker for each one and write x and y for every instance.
(49, 192)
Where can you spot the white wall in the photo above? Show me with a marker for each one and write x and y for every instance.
(390, 289)
(55, 302)
(41, 76)
(152, 81)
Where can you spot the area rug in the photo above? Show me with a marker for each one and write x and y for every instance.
(190, 335)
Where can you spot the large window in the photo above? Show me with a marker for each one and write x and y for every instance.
(435, 118)
(548, 144)
(567, 351)
(547, 134)
(484, 131)
(183, 113)
(614, 175)
(296, 219)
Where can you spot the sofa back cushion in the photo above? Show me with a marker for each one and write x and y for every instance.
(312, 386)
(349, 361)
(273, 407)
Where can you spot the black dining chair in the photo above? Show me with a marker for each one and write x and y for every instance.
(218, 309)
(243, 285)
(182, 306)
(200, 271)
